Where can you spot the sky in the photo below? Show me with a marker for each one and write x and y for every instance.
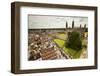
(43, 21)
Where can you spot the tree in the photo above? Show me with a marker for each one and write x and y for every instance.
(74, 41)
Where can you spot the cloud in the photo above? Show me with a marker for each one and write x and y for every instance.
(42, 21)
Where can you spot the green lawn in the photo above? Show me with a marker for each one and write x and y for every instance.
(62, 36)
(59, 42)
(73, 53)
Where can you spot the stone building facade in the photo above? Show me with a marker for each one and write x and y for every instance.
(80, 29)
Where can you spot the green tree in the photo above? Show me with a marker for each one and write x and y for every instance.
(74, 41)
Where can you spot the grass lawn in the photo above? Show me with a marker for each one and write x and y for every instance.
(59, 42)
(62, 36)
(73, 53)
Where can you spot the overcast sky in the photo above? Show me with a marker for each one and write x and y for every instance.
(40, 21)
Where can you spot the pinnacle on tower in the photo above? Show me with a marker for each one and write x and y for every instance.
(80, 26)
(84, 26)
(73, 24)
(66, 24)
